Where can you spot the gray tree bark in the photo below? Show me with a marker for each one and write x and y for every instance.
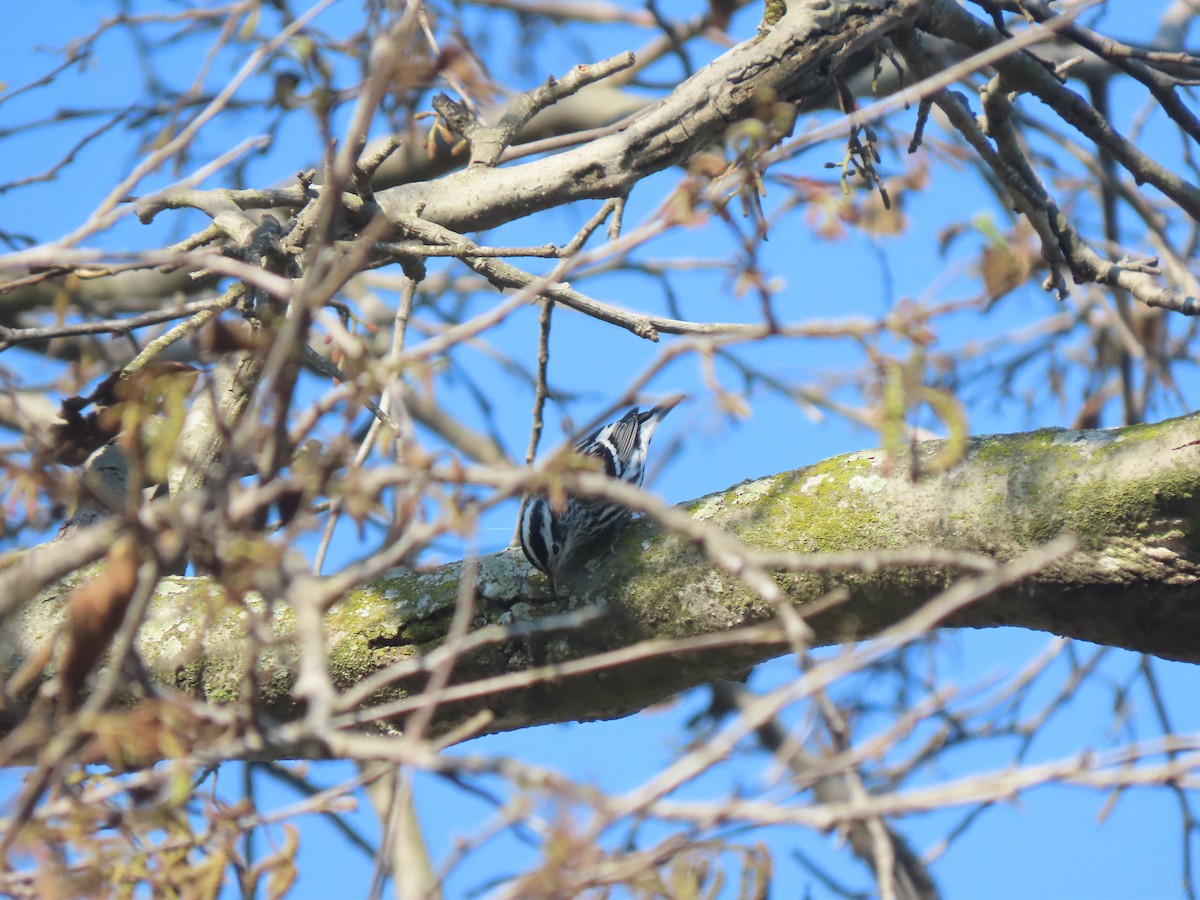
(1128, 495)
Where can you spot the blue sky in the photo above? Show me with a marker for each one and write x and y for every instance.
(1062, 847)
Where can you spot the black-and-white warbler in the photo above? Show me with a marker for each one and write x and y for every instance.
(549, 537)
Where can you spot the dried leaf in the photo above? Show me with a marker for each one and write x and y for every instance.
(95, 612)
(720, 12)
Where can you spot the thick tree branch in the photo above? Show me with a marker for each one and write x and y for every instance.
(794, 60)
(1128, 495)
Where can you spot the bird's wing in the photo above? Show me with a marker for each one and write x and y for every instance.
(624, 435)
(613, 443)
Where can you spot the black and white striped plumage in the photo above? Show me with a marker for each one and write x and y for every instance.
(551, 538)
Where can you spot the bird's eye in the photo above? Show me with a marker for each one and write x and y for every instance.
(554, 549)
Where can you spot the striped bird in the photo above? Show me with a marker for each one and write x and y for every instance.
(550, 538)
